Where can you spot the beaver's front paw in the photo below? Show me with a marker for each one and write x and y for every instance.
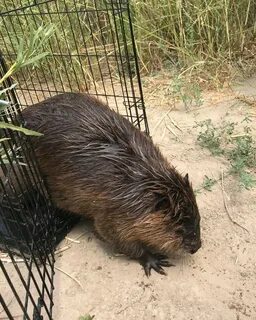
(154, 261)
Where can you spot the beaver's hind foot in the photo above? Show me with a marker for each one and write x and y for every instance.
(154, 261)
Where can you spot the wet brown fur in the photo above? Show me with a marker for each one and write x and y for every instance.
(97, 164)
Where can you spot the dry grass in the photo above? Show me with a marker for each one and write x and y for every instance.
(209, 36)
(214, 40)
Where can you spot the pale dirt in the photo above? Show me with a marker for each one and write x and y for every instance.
(219, 281)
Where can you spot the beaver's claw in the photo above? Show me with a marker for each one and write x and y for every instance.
(154, 261)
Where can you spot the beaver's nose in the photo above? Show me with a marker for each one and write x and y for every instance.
(195, 247)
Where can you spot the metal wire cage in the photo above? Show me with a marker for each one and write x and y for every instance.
(27, 223)
(92, 50)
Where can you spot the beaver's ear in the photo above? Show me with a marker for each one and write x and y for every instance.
(186, 178)
(162, 203)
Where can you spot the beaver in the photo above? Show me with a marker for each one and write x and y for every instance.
(99, 165)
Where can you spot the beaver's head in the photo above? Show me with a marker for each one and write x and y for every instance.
(186, 219)
(173, 222)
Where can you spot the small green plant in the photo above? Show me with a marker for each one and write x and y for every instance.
(87, 317)
(209, 137)
(208, 183)
(243, 157)
(189, 93)
(247, 180)
(239, 149)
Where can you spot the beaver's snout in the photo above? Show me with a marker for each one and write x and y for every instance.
(194, 247)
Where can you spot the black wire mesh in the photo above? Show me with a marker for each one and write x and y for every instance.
(25, 215)
(92, 50)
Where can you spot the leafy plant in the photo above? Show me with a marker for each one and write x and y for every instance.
(243, 156)
(247, 180)
(30, 54)
(189, 93)
(27, 55)
(87, 317)
(209, 137)
(239, 149)
(208, 183)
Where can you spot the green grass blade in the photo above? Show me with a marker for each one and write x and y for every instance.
(4, 125)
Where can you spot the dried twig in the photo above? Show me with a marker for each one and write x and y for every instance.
(163, 135)
(80, 236)
(170, 129)
(62, 249)
(72, 240)
(240, 135)
(69, 275)
(20, 316)
(247, 100)
(174, 123)
(161, 120)
(9, 260)
(226, 206)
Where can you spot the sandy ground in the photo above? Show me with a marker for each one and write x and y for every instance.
(217, 283)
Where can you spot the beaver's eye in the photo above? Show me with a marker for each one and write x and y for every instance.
(184, 220)
(180, 232)
(162, 203)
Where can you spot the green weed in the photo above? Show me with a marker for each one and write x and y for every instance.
(247, 180)
(208, 183)
(239, 149)
(242, 157)
(87, 317)
(209, 137)
(189, 93)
